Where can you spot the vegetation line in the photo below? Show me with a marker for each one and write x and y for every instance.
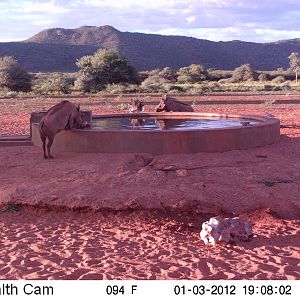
(107, 73)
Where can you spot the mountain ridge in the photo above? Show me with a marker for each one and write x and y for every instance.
(57, 49)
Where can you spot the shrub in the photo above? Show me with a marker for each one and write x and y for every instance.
(287, 74)
(278, 79)
(175, 88)
(85, 83)
(106, 66)
(143, 75)
(11, 94)
(243, 73)
(216, 75)
(13, 76)
(121, 88)
(153, 72)
(192, 74)
(153, 84)
(196, 90)
(224, 81)
(263, 77)
(268, 87)
(56, 83)
(168, 74)
(286, 87)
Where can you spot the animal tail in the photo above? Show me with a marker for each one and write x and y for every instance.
(41, 129)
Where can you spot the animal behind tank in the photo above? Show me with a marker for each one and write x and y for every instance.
(62, 116)
(169, 104)
(137, 106)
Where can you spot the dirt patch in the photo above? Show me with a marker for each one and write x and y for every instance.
(230, 182)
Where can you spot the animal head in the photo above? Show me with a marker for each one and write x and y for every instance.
(163, 104)
(137, 106)
(78, 122)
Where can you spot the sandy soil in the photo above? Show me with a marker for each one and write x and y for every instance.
(41, 244)
(82, 216)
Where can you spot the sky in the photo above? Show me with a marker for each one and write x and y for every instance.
(216, 20)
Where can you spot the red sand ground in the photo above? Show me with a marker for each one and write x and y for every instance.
(52, 241)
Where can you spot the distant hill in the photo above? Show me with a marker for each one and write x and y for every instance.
(57, 50)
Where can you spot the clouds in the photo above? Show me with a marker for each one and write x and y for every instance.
(261, 21)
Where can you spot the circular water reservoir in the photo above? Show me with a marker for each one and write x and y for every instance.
(160, 133)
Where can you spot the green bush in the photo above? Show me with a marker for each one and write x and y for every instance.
(224, 81)
(192, 74)
(268, 87)
(86, 83)
(287, 74)
(55, 83)
(278, 79)
(243, 73)
(152, 84)
(168, 74)
(121, 88)
(13, 76)
(217, 75)
(263, 77)
(11, 94)
(175, 88)
(106, 66)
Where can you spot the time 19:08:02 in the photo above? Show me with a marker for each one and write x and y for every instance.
(231, 290)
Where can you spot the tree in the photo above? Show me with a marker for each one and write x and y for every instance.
(243, 73)
(106, 66)
(263, 77)
(53, 83)
(168, 74)
(192, 74)
(295, 63)
(13, 76)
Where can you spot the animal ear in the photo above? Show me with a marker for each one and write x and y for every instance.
(78, 108)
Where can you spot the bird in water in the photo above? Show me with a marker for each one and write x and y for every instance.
(245, 123)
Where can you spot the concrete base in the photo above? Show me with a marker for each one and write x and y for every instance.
(10, 141)
(267, 131)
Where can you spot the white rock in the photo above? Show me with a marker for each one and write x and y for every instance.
(227, 230)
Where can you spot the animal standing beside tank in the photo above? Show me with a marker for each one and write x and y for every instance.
(62, 116)
(170, 104)
(137, 106)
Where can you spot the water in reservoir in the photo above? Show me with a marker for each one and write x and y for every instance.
(152, 123)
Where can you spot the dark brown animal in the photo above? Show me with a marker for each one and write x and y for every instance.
(136, 106)
(62, 116)
(170, 104)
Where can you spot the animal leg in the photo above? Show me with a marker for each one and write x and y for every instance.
(50, 142)
(43, 138)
